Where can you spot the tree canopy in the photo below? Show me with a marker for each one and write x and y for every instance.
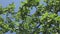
(44, 21)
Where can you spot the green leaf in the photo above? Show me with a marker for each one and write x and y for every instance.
(57, 18)
(37, 0)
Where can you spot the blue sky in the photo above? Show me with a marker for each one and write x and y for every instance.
(5, 3)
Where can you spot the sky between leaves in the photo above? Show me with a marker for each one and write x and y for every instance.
(5, 3)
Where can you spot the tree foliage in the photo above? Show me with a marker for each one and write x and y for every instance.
(45, 20)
